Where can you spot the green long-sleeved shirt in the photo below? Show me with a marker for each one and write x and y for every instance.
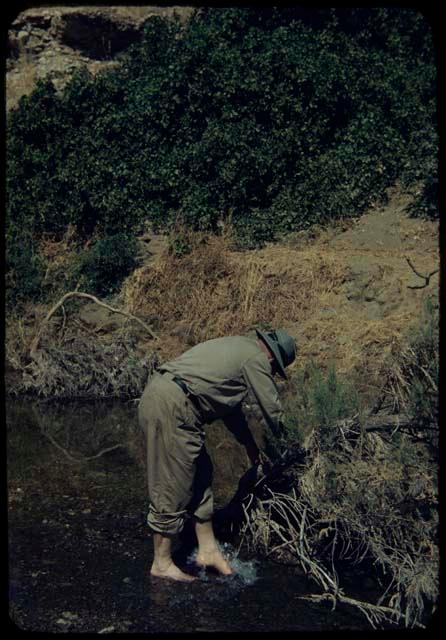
(222, 372)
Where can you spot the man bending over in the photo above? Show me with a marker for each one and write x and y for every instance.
(207, 382)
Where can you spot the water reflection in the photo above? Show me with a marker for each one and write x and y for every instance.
(78, 540)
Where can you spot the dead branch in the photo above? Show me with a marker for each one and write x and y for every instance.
(385, 422)
(291, 523)
(420, 275)
(79, 294)
(374, 613)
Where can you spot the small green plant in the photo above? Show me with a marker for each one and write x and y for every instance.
(421, 366)
(318, 402)
(412, 386)
(103, 267)
(180, 243)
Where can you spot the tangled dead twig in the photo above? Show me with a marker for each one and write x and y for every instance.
(79, 294)
(80, 363)
(375, 614)
(356, 502)
(420, 275)
(87, 367)
(276, 514)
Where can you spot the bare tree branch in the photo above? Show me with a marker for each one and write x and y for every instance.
(425, 278)
(374, 613)
(79, 294)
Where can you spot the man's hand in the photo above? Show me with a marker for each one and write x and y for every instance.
(258, 459)
(253, 452)
(264, 465)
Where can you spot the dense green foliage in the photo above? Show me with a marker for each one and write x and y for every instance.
(272, 119)
(25, 272)
(102, 268)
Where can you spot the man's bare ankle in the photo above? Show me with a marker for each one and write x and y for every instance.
(208, 549)
(171, 571)
(162, 565)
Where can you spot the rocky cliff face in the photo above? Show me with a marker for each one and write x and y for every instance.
(54, 41)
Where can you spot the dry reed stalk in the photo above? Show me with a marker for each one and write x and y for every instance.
(250, 286)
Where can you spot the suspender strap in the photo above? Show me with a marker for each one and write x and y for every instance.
(183, 386)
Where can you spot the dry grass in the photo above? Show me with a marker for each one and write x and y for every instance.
(358, 503)
(215, 291)
(59, 256)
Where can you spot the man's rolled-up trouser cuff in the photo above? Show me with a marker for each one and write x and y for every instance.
(167, 524)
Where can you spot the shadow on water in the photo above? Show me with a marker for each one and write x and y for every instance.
(80, 550)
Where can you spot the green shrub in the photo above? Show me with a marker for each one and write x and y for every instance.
(413, 375)
(102, 268)
(426, 203)
(319, 401)
(25, 272)
(179, 243)
(420, 366)
(278, 119)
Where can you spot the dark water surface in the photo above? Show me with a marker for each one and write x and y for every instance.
(80, 550)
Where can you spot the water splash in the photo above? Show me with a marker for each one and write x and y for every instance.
(211, 588)
(245, 571)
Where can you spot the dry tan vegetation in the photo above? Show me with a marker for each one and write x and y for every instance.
(357, 501)
(312, 287)
(215, 290)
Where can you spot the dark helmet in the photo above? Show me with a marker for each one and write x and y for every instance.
(281, 345)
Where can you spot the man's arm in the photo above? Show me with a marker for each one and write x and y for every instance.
(238, 425)
(258, 375)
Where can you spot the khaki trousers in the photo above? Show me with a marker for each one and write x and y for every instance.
(179, 469)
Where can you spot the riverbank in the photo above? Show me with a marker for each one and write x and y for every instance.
(349, 294)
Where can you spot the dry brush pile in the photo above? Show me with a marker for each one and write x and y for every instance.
(366, 497)
(362, 508)
(62, 358)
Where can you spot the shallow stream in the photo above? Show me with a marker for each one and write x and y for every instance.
(80, 550)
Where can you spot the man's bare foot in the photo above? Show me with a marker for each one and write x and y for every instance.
(172, 572)
(215, 559)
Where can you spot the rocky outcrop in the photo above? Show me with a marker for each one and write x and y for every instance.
(51, 42)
